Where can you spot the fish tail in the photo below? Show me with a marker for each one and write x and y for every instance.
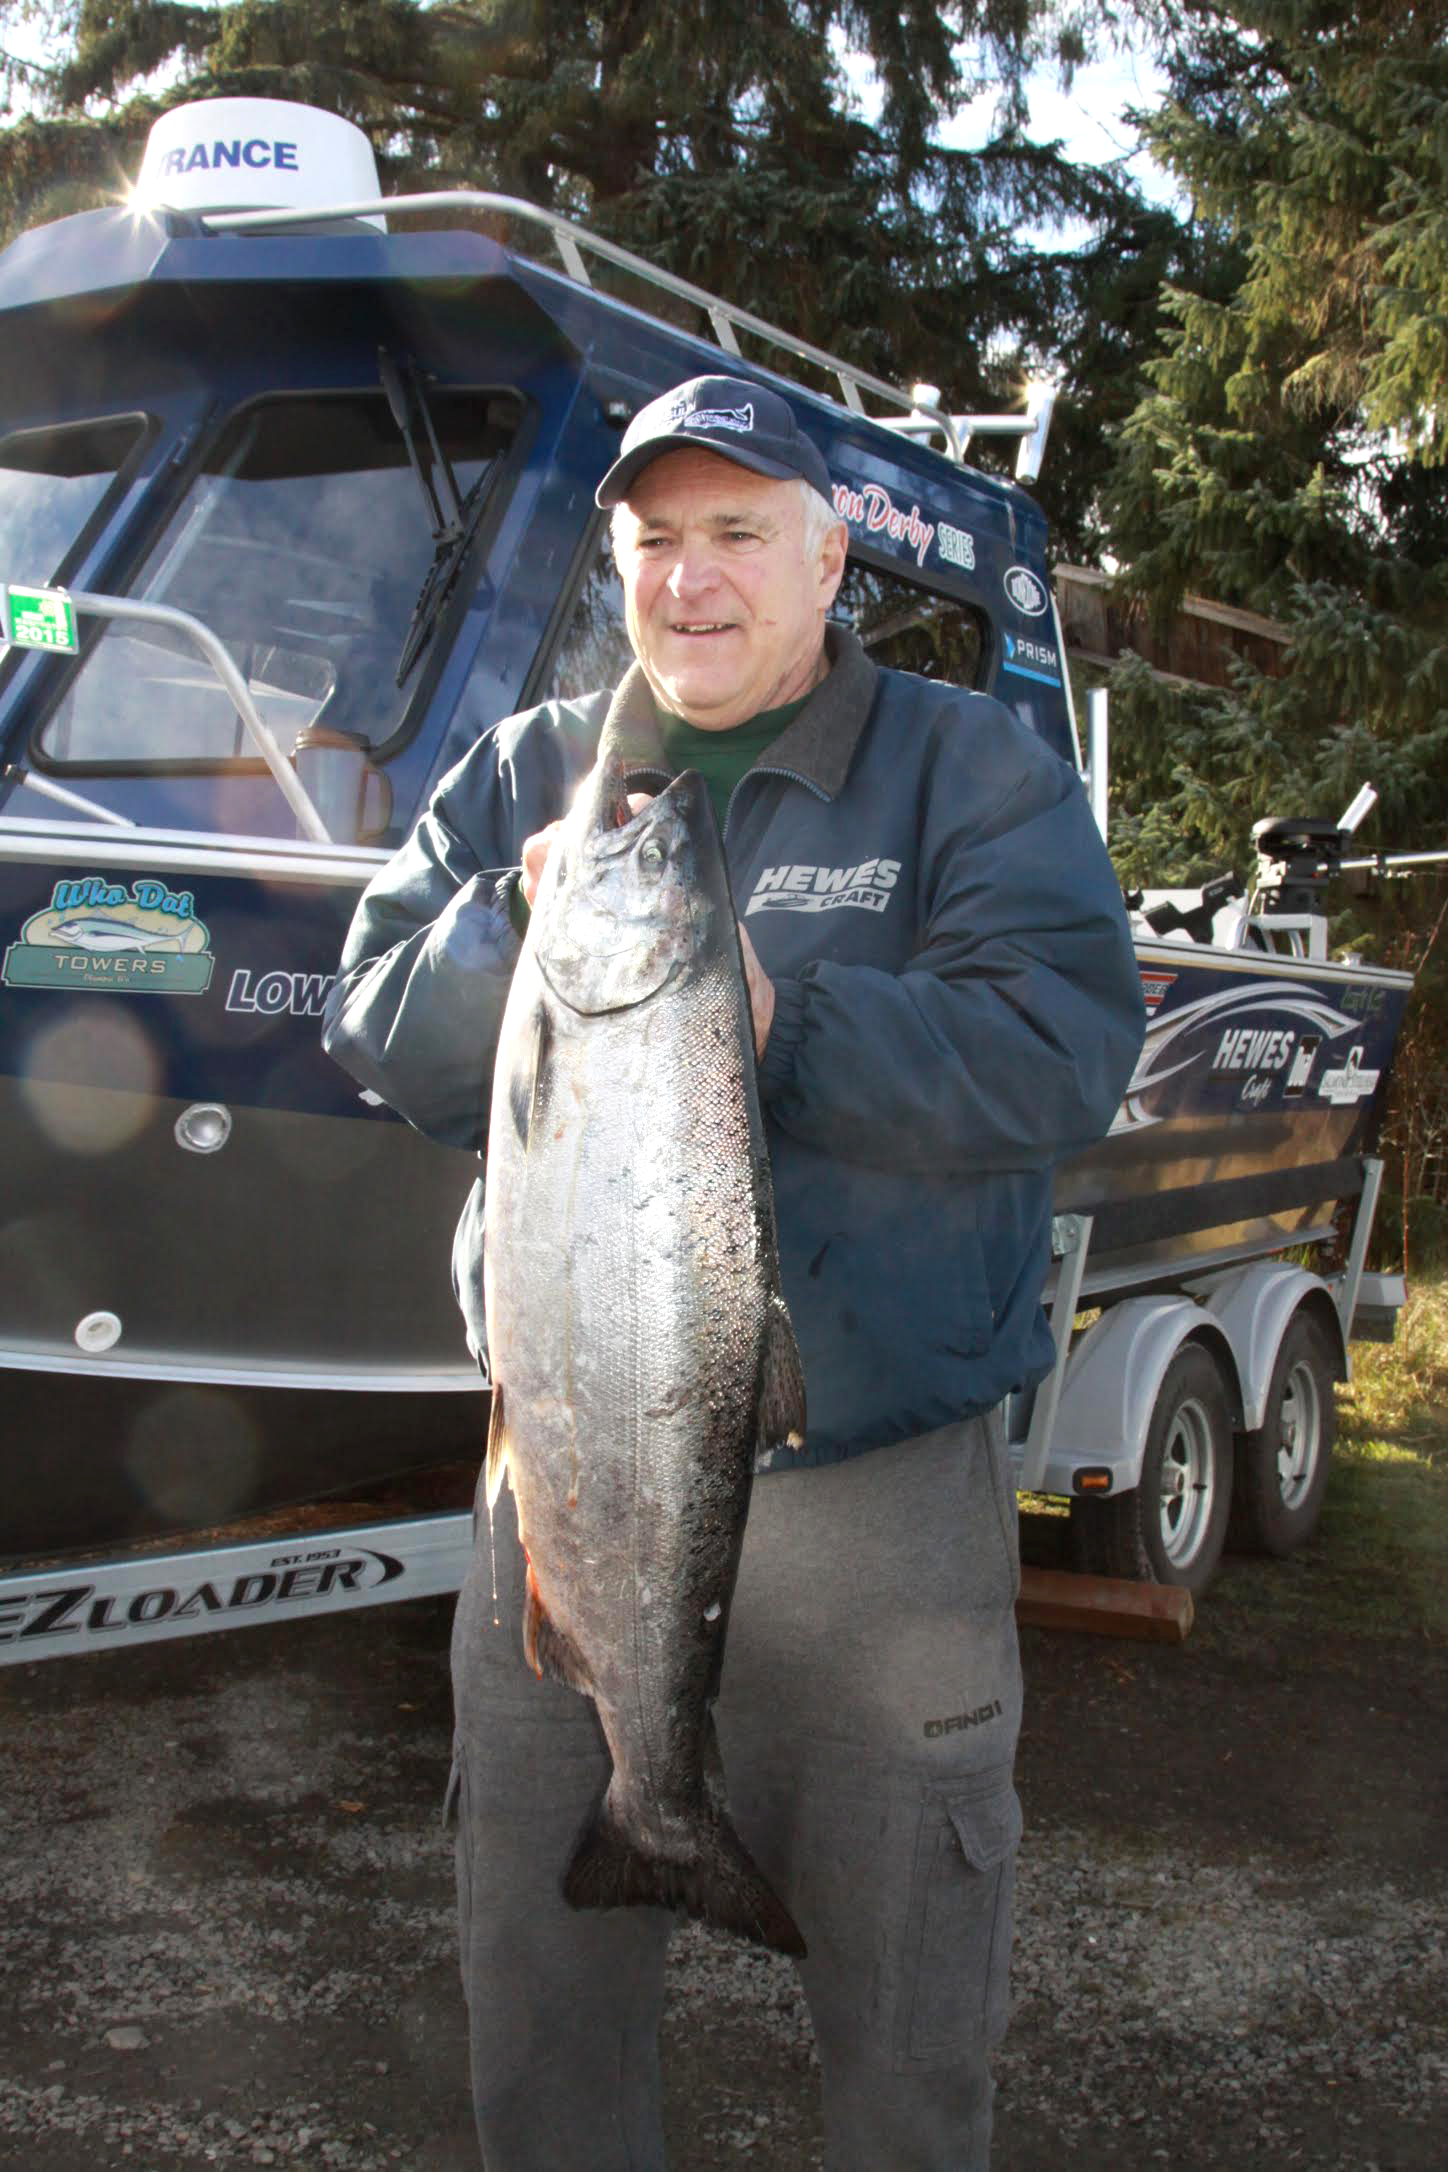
(718, 1881)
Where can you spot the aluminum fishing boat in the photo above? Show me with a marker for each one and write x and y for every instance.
(296, 499)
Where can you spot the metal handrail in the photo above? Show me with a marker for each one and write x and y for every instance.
(726, 317)
(293, 791)
(31, 780)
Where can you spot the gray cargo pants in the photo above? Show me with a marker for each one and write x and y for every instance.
(868, 1721)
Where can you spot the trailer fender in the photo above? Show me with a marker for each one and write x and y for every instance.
(1254, 1307)
(1112, 1382)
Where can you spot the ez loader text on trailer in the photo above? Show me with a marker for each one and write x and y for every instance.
(295, 500)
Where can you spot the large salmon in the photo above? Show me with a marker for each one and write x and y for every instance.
(640, 1349)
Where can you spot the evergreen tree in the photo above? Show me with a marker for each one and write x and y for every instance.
(1292, 453)
(723, 143)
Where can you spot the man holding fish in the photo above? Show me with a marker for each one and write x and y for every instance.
(786, 1105)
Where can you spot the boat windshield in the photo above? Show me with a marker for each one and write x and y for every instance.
(302, 542)
(51, 483)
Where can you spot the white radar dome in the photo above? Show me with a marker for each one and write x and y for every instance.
(254, 154)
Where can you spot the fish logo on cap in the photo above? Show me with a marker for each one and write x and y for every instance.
(745, 423)
(685, 417)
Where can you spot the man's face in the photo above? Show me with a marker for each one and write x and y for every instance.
(726, 610)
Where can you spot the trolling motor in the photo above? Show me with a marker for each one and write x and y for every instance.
(1299, 857)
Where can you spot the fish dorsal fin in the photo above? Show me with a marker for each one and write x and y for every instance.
(781, 1384)
(497, 1463)
(542, 1051)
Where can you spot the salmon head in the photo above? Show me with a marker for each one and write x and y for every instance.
(631, 902)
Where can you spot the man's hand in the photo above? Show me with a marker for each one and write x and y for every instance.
(535, 858)
(537, 848)
(761, 992)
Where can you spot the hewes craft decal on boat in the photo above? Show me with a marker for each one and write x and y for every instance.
(820, 889)
(1260, 1027)
(1025, 591)
(95, 933)
(1254, 1048)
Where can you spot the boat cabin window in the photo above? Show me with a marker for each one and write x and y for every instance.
(910, 628)
(51, 482)
(901, 624)
(595, 648)
(304, 542)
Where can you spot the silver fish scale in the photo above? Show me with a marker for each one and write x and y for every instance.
(630, 1356)
(638, 1339)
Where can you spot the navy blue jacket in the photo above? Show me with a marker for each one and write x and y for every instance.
(957, 1008)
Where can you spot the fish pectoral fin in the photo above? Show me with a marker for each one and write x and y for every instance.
(529, 1086)
(781, 1384)
(497, 1463)
(547, 1649)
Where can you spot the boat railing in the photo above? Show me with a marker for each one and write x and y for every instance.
(34, 780)
(914, 413)
(214, 649)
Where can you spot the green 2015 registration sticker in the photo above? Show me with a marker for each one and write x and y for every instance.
(38, 618)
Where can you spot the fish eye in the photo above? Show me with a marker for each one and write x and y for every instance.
(652, 853)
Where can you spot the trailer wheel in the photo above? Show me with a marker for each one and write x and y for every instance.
(1281, 1468)
(1171, 1527)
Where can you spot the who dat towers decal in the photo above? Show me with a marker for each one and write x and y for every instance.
(143, 939)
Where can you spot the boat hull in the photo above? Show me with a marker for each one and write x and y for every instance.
(224, 1277)
(192, 1333)
(1261, 1084)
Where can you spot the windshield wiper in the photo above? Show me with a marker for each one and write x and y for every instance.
(453, 520)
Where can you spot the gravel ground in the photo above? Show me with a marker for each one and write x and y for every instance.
(228, 1923)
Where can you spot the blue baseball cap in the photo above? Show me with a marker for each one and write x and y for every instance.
(740, 421)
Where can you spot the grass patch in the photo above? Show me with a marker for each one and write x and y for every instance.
(1378, 1563)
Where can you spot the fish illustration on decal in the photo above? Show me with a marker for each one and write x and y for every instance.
(97, 932)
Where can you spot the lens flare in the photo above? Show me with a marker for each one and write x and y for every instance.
(89, 1081)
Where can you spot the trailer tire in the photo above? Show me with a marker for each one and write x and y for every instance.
(1171, 1527)
(1282, 1466)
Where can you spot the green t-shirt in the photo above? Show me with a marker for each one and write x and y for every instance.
(722, 757)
